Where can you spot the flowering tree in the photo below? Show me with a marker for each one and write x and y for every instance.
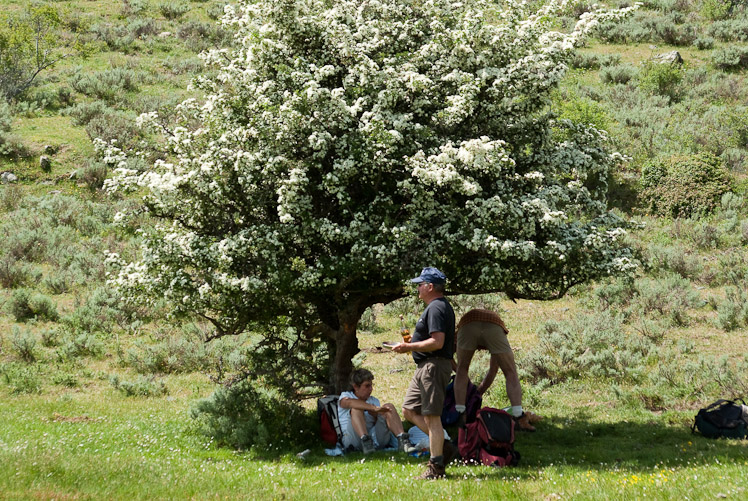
(344, 145)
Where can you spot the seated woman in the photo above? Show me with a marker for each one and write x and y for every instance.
(366, 425)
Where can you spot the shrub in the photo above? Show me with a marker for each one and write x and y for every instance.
(108, 84)
(704, 43)
(93, 174)
(114, 126)
(50, 337)
(65, 379)
(732, 313)
(618, 74)
(677, 259)
(10, 145)
(21, 379)
(14, 273)
(80, 345)
(596, 346)
(82, 113)
(592, 61)
(25, 304)
(706, 236)
(141, 28)
(730, 58)
(24, 343)
(684, 186)
(173, 10)
(215, 10)
(733, 30)
(715, 10)
(117, 38)
(670, 297)
(170, 356)
(661, 78)
(11, 197)
(134, 7)
(246, 414)
(141, 387)
(58, 283)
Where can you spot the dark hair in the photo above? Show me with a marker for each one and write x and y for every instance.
(360, 376)
(439, 288)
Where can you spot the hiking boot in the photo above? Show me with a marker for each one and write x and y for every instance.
(523, 423)
(433, 472)
(367, 444)
(404, 445)
(449, 452)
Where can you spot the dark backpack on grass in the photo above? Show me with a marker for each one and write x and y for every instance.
(489, 440)
(723, 418)
(329, 424)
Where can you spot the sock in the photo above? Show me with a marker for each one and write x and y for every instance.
(517, 410)
(437, 460)
(460, 408)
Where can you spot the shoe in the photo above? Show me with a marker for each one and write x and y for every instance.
(523, 423)
(367, 445)
(404, 445)
(433, 471)
(449, 452)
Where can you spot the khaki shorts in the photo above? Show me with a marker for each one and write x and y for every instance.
(426, 391)
(487, 335)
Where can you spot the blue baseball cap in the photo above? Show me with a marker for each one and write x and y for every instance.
(430, 275)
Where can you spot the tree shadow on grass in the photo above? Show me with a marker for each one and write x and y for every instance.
(580, 442)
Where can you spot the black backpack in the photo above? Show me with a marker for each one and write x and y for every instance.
(723, 418)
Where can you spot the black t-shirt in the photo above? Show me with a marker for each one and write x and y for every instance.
(437, 317)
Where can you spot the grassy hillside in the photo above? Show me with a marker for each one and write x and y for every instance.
(95, 397)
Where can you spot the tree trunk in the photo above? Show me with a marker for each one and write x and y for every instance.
(346, 347)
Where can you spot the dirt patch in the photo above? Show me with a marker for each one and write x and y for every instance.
(59, 418)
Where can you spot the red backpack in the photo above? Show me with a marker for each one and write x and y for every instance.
(329, 424)
(489, 440)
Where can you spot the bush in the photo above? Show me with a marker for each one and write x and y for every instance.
(141, 28)
(596, 346)
(170, 356)
(141, 387)
(80, 345)
(715, 10)
(50, 337)
(21, 379)
(661, 78)
(248, 415)
(173, 10)
(14, 273)
(116, 38)
(10, 145)
(83, 113)
(734, 30)
(619, 74)
(117, 126)
(676, 259)
(704, 43)
(669, 297)
(730, 58)
(215, 10)
(132, 8)
(25, 304)
(93, 175)
(732, 313)
(685, 186)
(108, 85)
(591, 61)
(24, 343)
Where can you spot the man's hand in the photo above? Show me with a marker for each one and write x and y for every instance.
(401, 348)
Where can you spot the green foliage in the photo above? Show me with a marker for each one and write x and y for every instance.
(141, 387)
(172, 355)
(75, 345)
(592, 61)
(25, 304)
(108, 84)
(732, 313)
(704, 43)
(671, 28)
(22, 379)
(731, 58)
(247, 414)
(24, 343)
(661, 78)
(596, 346)
(50, 337)
(684, 186)
(716, 10)
(730, 30)
(618, 74)
(10, 145)
(15, 273)
(132, 8)
(669, 297)
(28, 45)
(584, 111)
(678, 259)
(173, 10)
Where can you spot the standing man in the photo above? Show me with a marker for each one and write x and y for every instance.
(432, 346)
(485, 329)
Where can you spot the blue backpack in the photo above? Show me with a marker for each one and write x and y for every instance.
(473, 403)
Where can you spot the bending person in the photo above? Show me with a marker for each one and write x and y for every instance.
(367, 425)
(484, 329)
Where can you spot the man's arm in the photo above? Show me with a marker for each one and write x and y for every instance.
(435, 342)
(493, 368)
